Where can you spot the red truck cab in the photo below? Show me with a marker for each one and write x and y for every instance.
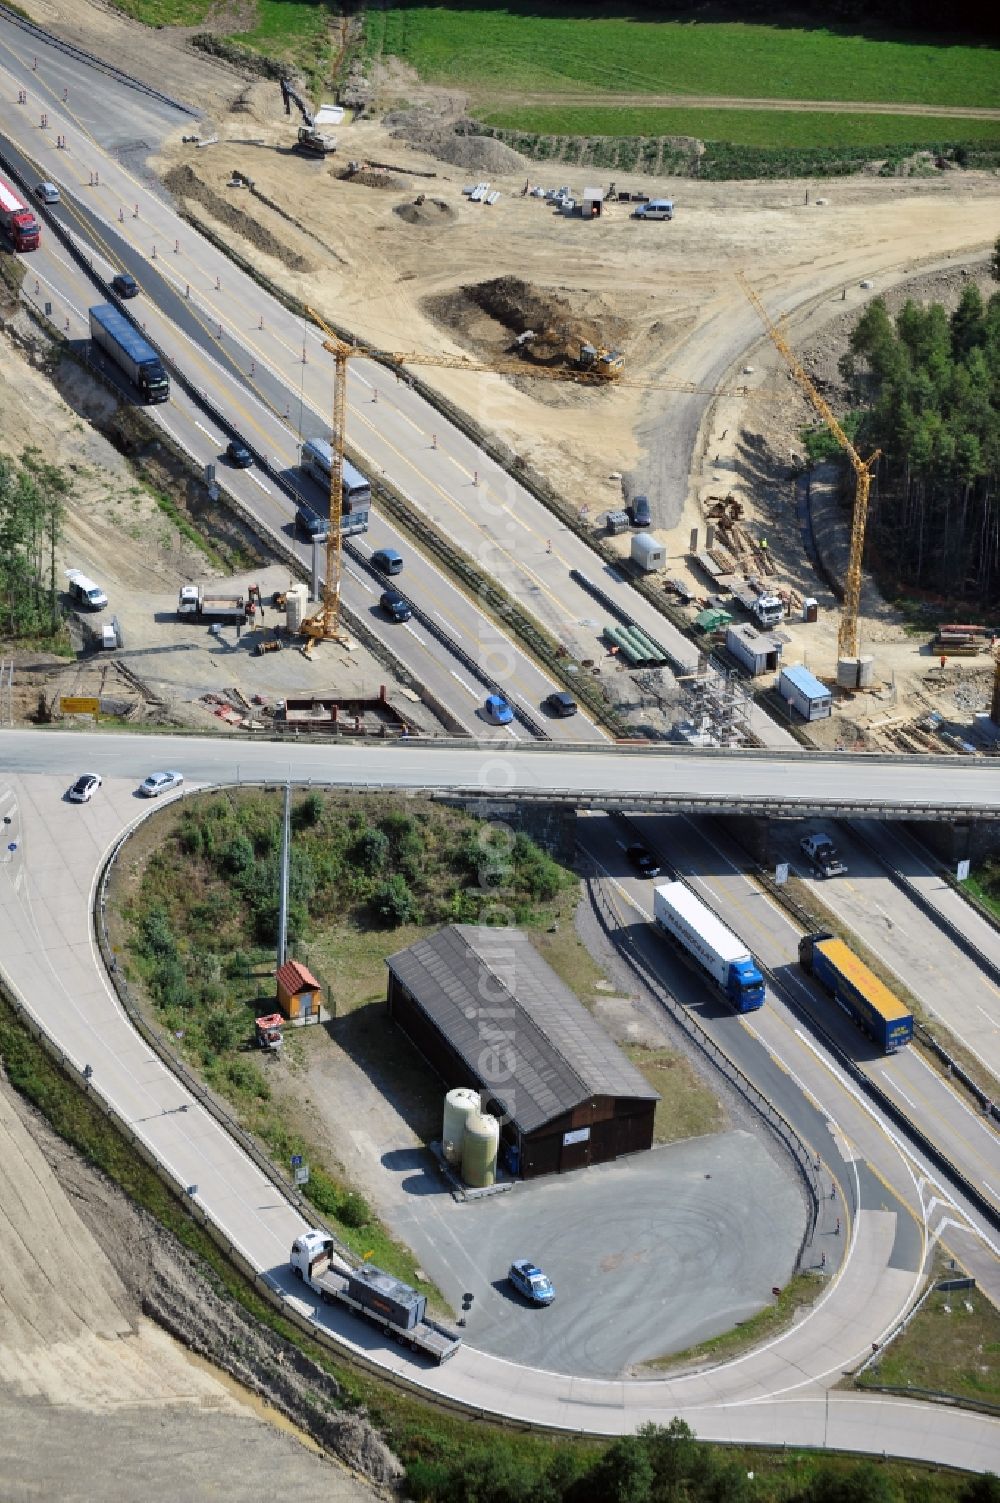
(17, 220)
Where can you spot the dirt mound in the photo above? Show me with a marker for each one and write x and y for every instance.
(426, 211)
(186, 184)
(370, 177)
(452, 141)
(486, 314)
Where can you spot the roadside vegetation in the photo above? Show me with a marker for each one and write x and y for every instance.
(446, 1459)
(198, 921)
(800, 1293)
(951, 1347)
(924, 386)
(31, 517)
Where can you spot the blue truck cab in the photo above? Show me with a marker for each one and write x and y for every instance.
(745, 985)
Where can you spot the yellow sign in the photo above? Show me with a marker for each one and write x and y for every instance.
(79, 705)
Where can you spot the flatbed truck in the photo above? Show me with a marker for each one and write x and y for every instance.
(373, 1294)
(193, 600)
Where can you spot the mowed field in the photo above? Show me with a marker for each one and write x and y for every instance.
(534, 49)
(766, 128)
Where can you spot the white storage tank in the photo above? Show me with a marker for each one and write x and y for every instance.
(479, 1151)
(459, 1105)
(296, 601)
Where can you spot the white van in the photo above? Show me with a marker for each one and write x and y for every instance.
(656, 208)
(84, 592)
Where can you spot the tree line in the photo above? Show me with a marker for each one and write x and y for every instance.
(926, 392)
(31, 515)
(862, 15)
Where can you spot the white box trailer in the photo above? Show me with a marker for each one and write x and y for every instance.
(723, 955)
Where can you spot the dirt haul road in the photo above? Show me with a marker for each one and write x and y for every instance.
(135, 1413)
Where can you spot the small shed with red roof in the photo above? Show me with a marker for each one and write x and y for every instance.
(299, 993)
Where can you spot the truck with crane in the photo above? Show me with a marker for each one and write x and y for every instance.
(126, 348)
(681, 914)
(868, 1002)
(17, 220)
(311, 139)
(372, 1293)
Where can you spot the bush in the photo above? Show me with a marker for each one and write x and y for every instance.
(308, 813)
(394, 903)
(354, 1210)
(224, 1030)
(156, 938)
(241, 1074)
(372, 851)
(322, 1192)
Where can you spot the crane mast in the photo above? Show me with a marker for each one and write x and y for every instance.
(847, 636)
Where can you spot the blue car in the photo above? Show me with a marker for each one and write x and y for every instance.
(531, 1282)
(497, 710)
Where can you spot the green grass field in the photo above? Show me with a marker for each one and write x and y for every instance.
(771, 128)
(515, 49)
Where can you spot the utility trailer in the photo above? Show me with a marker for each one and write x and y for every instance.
(372, 1293)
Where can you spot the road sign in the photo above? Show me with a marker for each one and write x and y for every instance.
(296, 1160)
(302, 1174)
(781, 873)
(963, 870)
(71, 704)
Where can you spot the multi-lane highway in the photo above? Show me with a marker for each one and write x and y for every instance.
(783, 1391)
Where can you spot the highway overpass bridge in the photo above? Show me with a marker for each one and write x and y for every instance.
(787, 784)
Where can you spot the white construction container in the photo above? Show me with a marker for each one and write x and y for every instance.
(648, 552)
(799, 688)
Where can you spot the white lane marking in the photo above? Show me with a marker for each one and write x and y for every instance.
(984, 1126)
(907, 1154)
(988, 1186)
(416, 635)
(895, 1086)
(265, 488)
(465, 686)
(208, 433)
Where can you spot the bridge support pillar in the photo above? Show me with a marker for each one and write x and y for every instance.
(970, 840)
(752, 832)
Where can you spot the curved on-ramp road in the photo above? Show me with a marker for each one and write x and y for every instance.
(49, 865)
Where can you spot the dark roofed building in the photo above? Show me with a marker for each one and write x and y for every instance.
(486, 1011)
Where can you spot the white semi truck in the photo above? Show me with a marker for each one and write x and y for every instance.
(686, 919)
(373, 1293)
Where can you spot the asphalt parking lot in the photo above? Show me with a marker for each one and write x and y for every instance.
(648, 1255)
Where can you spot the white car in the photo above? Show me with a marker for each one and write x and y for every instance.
(48, 193)
(160, 782)
(84, 788)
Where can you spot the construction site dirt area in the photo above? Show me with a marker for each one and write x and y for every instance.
(430, 270)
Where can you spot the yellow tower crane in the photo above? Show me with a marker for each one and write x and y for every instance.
(847, 636)
(325, 625)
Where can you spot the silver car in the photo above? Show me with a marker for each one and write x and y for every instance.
(160, 782)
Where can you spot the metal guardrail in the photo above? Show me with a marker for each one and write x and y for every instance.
(884, 1102)
(72, 50)
(803, 1158)
(274, 540)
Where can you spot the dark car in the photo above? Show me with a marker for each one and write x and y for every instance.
(387, 560)
(560, 703)
(311, 524)
(238, 454)
(640, 512)
(642, 858)
(395, 606)
(125, 285)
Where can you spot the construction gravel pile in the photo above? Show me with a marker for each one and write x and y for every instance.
(451, 142)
